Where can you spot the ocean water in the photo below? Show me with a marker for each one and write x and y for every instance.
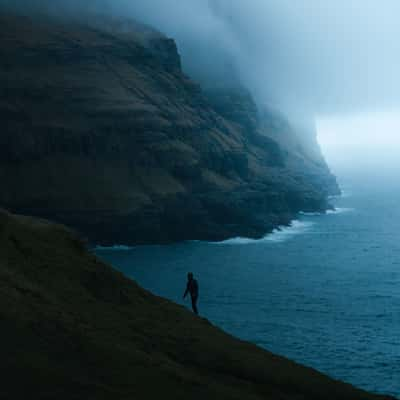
(324, 291)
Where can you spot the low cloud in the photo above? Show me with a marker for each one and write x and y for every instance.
(323, 56)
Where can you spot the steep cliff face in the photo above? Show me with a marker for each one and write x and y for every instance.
(74, 328)
(296, 148)
(101, 130)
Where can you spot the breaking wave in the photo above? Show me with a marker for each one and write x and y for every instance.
(340, 210)
(278, 235)
(116, 247)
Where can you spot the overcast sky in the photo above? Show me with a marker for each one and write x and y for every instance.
(333, 56)
(330, 56)
(335, 60)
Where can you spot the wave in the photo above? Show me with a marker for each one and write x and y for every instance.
(311, 213)
(336, 210)
(278, 235)
(116, 247)
(340, 210)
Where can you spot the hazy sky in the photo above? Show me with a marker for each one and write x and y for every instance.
(328, 56)
(336, 60)
(361, 140)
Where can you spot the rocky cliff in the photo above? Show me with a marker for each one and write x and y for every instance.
(101, 130)
(74, 328)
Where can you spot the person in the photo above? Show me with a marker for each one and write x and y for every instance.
(192, 287)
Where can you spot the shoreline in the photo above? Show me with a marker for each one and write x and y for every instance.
(276, 230)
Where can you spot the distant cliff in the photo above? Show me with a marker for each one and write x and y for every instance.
(74, 328)
(101, 130)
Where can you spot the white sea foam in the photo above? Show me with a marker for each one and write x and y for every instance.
(311, 214)
(340, 210)
(278, 235)
(336, 210)
(116, 247)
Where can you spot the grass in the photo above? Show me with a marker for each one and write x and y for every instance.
(74, 328)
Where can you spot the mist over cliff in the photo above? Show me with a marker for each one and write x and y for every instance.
(309, 56)
(103, 131)
(327, 57)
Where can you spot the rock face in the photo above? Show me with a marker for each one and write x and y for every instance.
(101, 130)
(74, 328)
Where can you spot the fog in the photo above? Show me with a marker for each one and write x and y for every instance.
(362, 142)
(322, 58)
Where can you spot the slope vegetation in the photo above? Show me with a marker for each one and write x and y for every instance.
(74, 328)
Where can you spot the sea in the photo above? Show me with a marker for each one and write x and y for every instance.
(324, 291)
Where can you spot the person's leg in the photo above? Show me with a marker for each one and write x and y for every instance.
(194, 305)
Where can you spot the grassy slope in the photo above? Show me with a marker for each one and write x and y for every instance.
(74, 328)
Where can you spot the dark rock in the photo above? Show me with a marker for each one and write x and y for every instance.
(102, 131)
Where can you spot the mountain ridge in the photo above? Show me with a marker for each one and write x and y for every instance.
(102, 131)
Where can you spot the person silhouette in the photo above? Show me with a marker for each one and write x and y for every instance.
(192, 287)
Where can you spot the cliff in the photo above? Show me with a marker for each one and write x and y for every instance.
(74, 328)
(101, 130)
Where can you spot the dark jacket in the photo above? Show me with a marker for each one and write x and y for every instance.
(192, 287)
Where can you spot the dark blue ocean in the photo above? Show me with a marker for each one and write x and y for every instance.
(324, 292)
